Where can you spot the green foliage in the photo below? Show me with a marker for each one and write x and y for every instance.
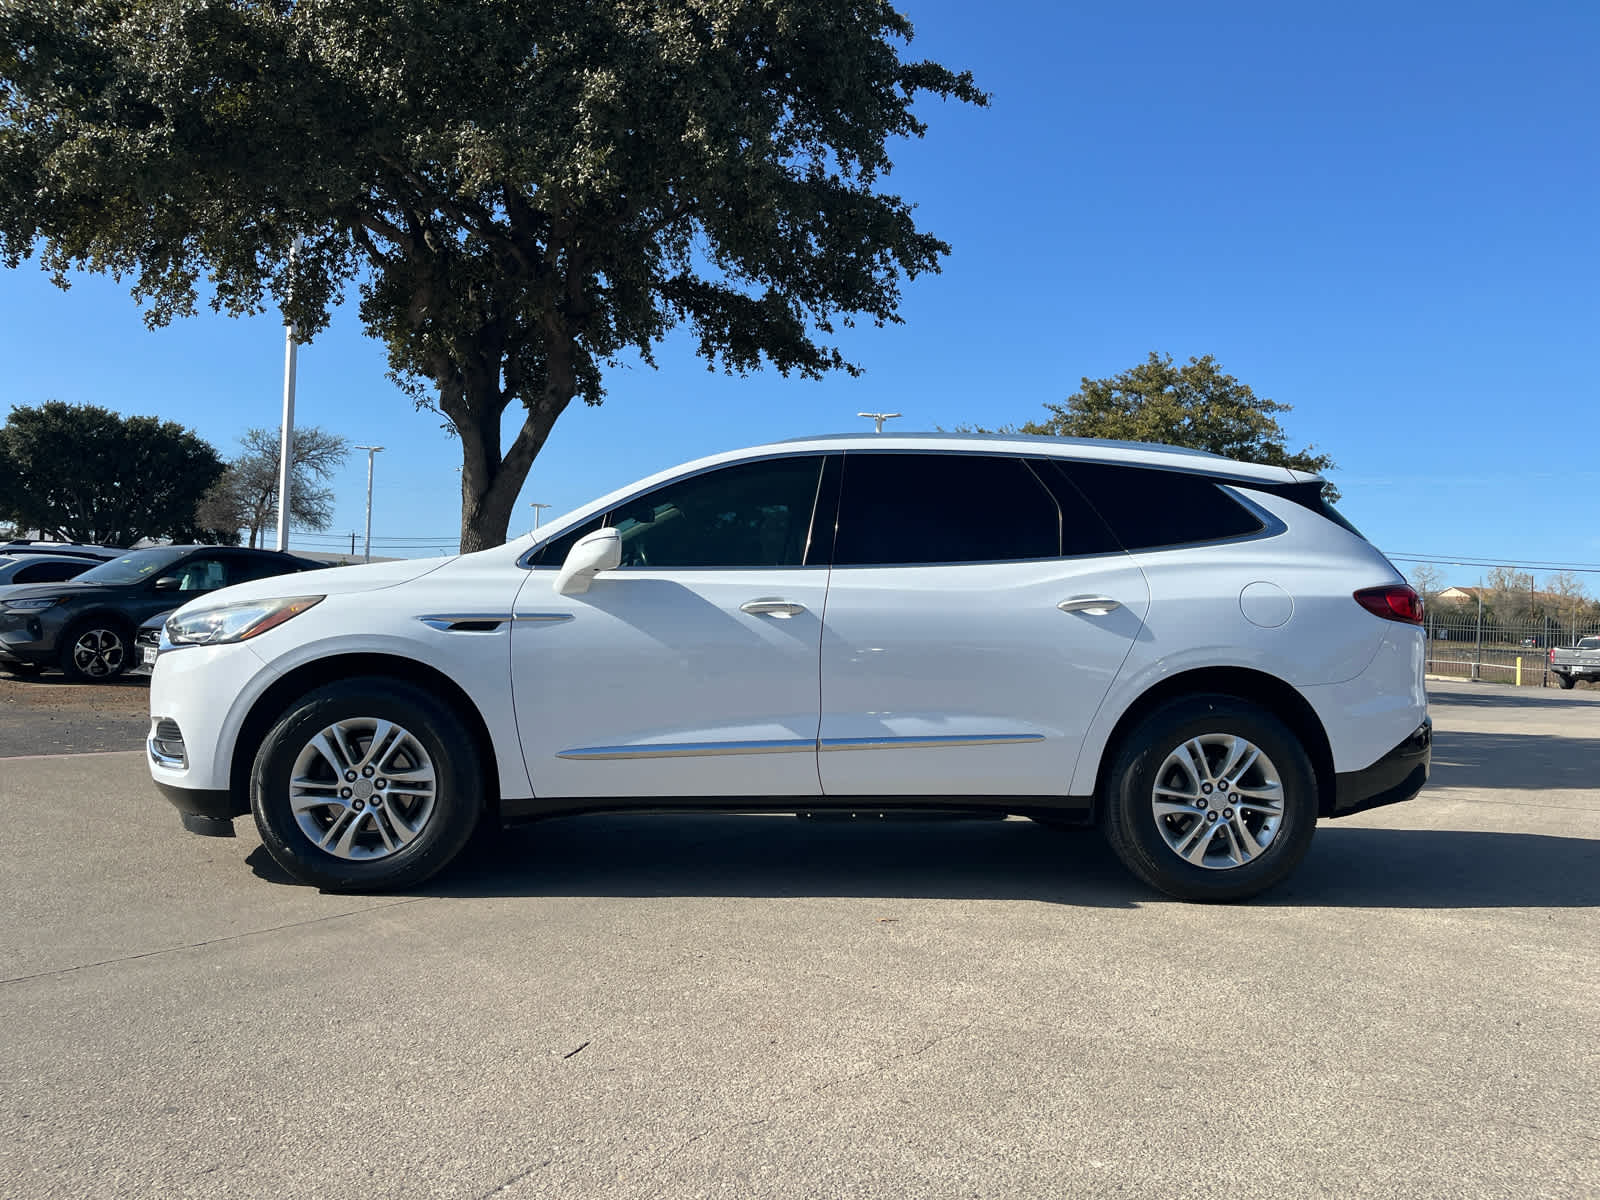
(246, 497)
(1195, 405)
(525, 192)
(84, 474)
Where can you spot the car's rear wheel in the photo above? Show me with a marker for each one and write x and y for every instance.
(94, 651)
(1211, 798)
(366, 784)
(1565, 682)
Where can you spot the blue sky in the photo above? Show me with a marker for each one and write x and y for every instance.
(1382, 214)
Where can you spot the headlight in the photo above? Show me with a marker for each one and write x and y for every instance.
(234, 622)
(32, 604)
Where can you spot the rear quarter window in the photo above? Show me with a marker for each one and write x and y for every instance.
(1148, 508)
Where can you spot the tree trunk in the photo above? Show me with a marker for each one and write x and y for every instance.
(490, 482)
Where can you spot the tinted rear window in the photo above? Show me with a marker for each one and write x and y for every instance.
(1149, 508)
(943, 508)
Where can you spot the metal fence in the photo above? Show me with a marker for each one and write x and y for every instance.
(1463, 645)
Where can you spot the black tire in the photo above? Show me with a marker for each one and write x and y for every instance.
(1565, 682)
(96, 650)
(457, 799)
(1131, 824)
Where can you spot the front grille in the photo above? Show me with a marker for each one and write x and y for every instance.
(148, 637)
(166, 744)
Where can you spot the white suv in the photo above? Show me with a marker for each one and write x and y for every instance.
(1197, 654)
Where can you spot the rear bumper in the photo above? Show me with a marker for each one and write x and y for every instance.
(1398, 775)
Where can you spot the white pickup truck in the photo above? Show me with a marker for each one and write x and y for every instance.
(1570, 664)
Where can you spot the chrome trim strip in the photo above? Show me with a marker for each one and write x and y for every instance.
(446, 622)
(691, 749)
(542, 616)
(180, 763)
(928, 743)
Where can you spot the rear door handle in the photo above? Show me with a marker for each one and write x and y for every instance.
(1095, 606)
(771, 606)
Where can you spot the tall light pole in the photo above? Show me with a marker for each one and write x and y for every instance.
(371, 450)
(286, 438)
(878, 419)
(537, 507)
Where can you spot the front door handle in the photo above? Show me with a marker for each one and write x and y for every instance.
(771, 606)
(1095, 606)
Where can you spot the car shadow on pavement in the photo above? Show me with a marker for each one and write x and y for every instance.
(1514, 761)
(775, 856)
(1508, 697)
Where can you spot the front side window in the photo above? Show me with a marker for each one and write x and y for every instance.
(754, 514)
(201, 575)
(904, 509)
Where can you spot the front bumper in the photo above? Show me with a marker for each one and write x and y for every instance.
(1398, 775)
(30, 637)
(210, 813)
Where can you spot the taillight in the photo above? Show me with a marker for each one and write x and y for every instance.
(1396, 602)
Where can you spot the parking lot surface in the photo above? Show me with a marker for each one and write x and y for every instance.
(679, 1006)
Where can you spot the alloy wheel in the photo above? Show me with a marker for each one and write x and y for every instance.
(99, 653)
(363, 789)
(1218, 801)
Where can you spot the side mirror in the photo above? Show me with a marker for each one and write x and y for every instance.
(599, 551)
(168, 583)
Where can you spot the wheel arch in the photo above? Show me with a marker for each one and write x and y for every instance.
(275, 701)
(1256, 687)
(102, 613)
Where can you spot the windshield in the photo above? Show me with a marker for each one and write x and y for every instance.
(131, 568)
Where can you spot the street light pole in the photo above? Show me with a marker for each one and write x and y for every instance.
(286, 438)
(371, 450)
(878, 419)
(537, 512)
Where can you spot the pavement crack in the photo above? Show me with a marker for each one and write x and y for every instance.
(788, 1101)
(513, 1180)
(232, 937)
(881, 1067)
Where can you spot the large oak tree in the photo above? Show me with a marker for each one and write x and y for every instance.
(524, 191)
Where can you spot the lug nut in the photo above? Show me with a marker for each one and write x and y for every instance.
(344, 793)
(1228, 813)
(358, 806)
(1200, 804)
(350, 776)
(1206, 788)
(1211, 816)
(367, 771)
(381, 784)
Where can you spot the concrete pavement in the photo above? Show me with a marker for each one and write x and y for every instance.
(652, 1006)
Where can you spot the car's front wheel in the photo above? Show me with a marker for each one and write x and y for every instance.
(1211, 798)
(366, 784)
(94, 651)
